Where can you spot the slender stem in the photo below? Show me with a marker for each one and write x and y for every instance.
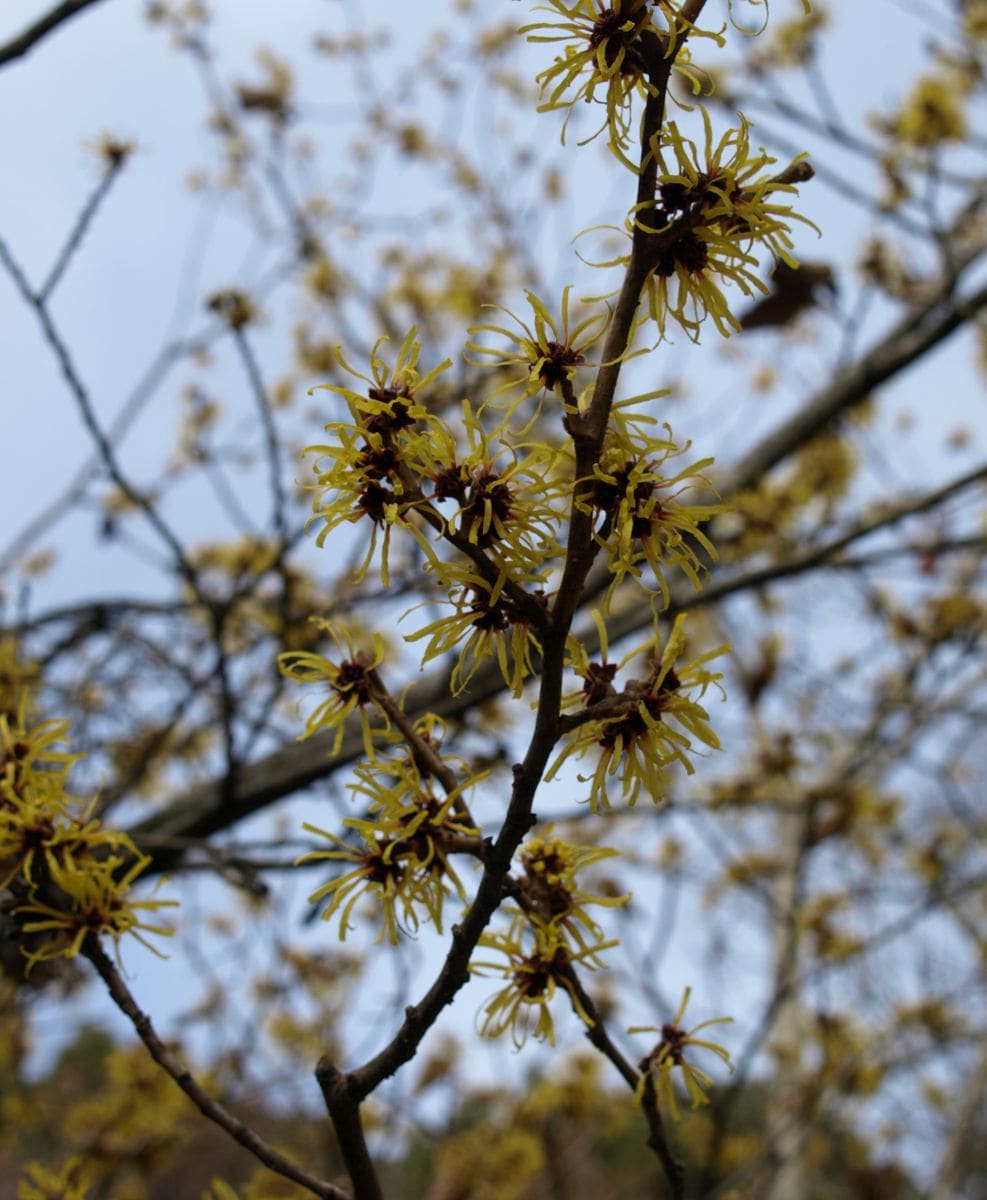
(89, 418)
(23, 42)
(426, 756)
(74, 240)
(597, 1034)
(273, 445)
(124, 1000)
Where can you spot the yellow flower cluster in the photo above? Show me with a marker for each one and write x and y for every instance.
(348, 683)
(716, 207)
(69, 876)
(68, 1183)
(630, 733)
(612, 55)
(550, 931)
(400, 858)
(933, 112)
(538, 963)
(644, 525)
(494, 501)
(509, 504)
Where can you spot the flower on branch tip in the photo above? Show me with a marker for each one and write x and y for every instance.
(70, 877)
(233, 306)
(503, 498)
(39, 832)
(933, 113)
(538, 963)
(669, 1055)
(544, 355)
(638, 732)
(611, 54)
(88, 896)
(401, 860)
(392, 400)
(113, 151)
(17, 678)
(349, 684)
(30, 749)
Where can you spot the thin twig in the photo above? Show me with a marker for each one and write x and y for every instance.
(78, 232)
(596, 1033)
(89, 419)
(272, 441)
(272, 1159)
(23, 42)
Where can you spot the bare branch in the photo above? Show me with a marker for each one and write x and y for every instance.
(919, 331)
(124, 1000)
(18, 46)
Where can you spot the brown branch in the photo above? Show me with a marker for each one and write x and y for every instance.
(87, 412)
(85, 219)
(491, 571)
(674, 1171)
(825, 554)
(347, 1091)
(344, 1109)
(18, 46)
(427, 758)
(272, 442)
(597, 1034)
(918, 332)
(589, 430)
(211, 1109)
(144, 390)
(952, 1170)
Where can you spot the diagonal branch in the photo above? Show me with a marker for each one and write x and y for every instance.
(18, 46)
(124, 1000)
(918, 331)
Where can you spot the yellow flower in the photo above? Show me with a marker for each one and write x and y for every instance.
(348, 682)
(932, 113)
(362, 474)
(38, 833)
(68, 1183)
(553, 893)
(506, 499)
(610, 55)
(538, 963)
(401, 860)
(644, 520)
(631, 732)
(669, 1055)
(70, 875)
(28, 750)
(486, 622)
(715, 206)
(91, 898)
(547, 354)
(16, 676)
